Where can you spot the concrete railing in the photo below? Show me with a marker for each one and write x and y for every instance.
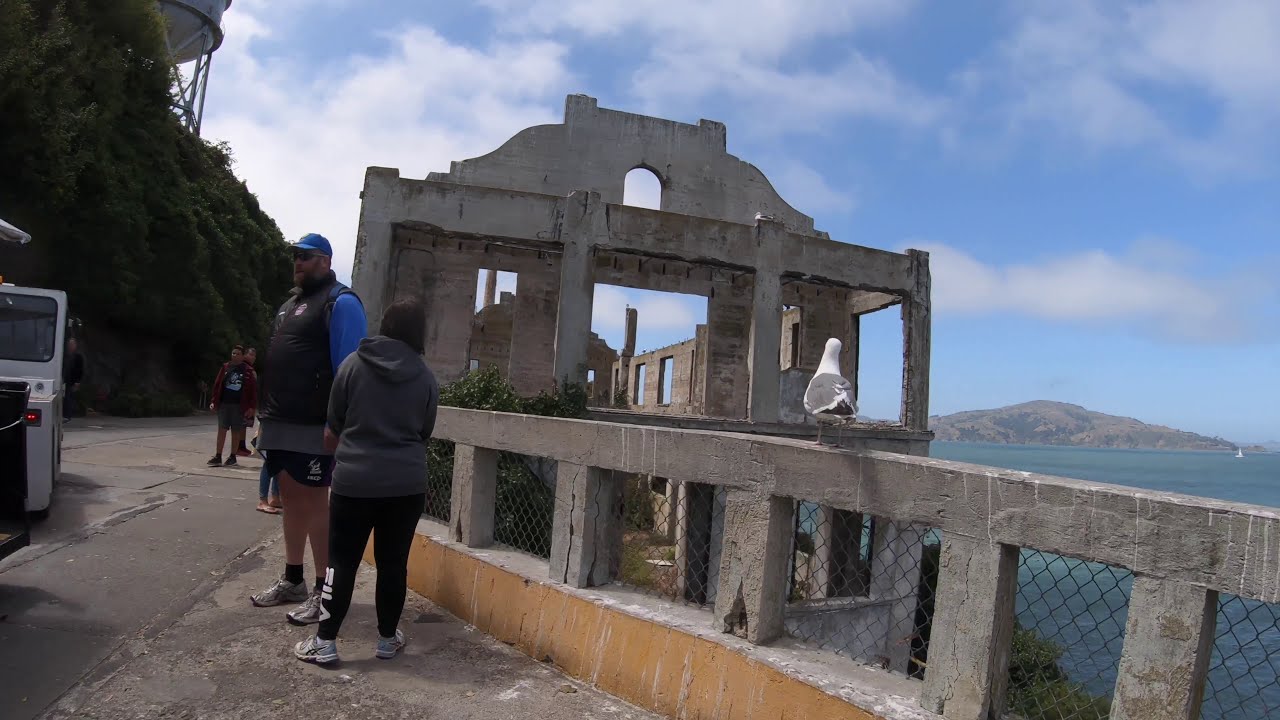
(1181, 550)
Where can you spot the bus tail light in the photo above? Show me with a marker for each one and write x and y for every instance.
(33, 418)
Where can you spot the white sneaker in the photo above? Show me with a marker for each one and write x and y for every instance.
(315, 650)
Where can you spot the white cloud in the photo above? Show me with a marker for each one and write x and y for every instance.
(737, 49)
(1195, 80)
(1149, 289)
(303, 133)
(662, 318)
(804, 187)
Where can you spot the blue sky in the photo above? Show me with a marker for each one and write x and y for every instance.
(1097, 182)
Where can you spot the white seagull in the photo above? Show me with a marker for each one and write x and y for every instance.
(829, 396)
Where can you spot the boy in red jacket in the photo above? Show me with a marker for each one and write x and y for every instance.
(234, 400)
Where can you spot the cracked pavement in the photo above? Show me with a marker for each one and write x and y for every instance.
(132, 602)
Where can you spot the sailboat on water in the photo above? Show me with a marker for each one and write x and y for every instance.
(1239, 452)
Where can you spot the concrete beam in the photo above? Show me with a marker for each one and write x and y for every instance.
(586, 535)
(969, 644)
(916, 345)
(474, 496)
(1167, 644)
(869, 302)
(584, 225)
(1211, 544)
(766, 324)
(805, 257)
(751, 594)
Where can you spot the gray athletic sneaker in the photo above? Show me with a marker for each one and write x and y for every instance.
(308, 612)
(281, 592)
(388, 647)
(315, 650)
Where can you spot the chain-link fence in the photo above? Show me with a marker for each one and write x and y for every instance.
(671, 538)
(439, 480)
(863, 587)
(525, 504)
(1244, 670)
(1070, 617)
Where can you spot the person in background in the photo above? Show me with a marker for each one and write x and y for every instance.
(382, 412)
(320, 324)
(72, 375)
(234, 399)
(250, 356)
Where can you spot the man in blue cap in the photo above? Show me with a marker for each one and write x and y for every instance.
(320, 324)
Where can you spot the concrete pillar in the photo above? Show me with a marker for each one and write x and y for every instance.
(490, 287)
(533, 333)
(475, 495)
(969, 644)
(583, 226)
(1167, 643)
(451, 302)
(751, 595)
(824, 545)
(586, 533)
(727, 373)
(895, 579)
(916, 345)
(629, 344)
(766, 323)
(371, 273)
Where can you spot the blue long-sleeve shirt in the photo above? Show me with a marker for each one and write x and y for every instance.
(347, 327)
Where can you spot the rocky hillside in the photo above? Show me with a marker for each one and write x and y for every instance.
(1052, 423)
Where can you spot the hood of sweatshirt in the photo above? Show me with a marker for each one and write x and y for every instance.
(391, 359)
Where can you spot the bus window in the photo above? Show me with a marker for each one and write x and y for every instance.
(28, 327)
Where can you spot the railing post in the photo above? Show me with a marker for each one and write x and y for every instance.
(969, 644)
(751, 594)
(475, 495)
(586, 533)
(1167, 643)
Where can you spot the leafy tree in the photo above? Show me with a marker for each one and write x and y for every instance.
(144, 225)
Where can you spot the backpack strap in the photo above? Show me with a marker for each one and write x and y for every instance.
(335, 292)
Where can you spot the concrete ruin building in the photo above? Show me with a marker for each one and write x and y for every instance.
(546, 206)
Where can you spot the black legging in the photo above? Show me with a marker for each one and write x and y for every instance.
(392, 520)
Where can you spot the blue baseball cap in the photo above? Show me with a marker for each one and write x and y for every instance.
(315, 243)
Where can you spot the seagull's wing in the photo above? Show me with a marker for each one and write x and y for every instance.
(830, 394)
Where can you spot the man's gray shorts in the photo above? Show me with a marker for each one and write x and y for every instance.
(231, 417)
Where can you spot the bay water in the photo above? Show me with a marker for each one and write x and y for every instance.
(1083, 606)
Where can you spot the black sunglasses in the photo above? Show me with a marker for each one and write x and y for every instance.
(305, 256)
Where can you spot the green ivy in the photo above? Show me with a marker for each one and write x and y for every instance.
(525, 503)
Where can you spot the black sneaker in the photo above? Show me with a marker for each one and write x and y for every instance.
(216, 460)
(230, 461)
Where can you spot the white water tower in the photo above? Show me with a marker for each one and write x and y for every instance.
(194, 32)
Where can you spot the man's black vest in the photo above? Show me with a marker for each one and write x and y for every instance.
(299, 371)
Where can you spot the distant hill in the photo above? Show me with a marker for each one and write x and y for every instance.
(1043, 422)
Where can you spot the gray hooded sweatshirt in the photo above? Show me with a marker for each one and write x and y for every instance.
(383, 409)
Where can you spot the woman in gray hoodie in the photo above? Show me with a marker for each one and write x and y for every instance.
(382, 411)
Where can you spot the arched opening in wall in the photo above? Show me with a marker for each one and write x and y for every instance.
(642, 188)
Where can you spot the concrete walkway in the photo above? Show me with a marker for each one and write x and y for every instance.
(133, 602)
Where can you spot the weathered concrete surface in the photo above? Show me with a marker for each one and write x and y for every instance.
(1207, 543)
(586, 535)
(755, 558)
(1168, 642)
(474, 495)
(226, 659)
(968, 669)
(132, 603)
(595, 148)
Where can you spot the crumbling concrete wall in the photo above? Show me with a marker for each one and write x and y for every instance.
(686, 372)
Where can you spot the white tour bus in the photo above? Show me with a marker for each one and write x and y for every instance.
(33, 336)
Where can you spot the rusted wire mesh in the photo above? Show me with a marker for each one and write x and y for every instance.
(1071, 617)
(863, 587)
(439, 480)
(671, 538)
(525, 504)
(1244, 670)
